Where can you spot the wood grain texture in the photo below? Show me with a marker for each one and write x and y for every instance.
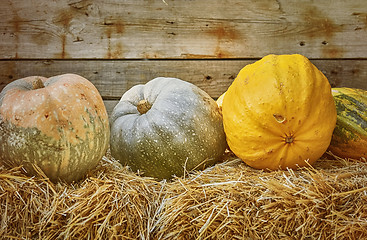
(114, 77)
(186, 29)
(110, 104)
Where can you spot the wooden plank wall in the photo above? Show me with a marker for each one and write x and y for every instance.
(119, 43)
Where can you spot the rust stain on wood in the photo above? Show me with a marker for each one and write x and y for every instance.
(16, 22)
(119, 26)
(324, 26)
(152, 55)
(221, 53)
(63, 54)
(324, 29)
(40, 38)
(16, 25)
(190, 55)
(224, 32)
(116, 28)
(117, 51)
(63, 43)
(333, 52)
(63, 19)
(108, 33)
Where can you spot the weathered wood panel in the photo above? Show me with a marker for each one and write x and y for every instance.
(114, 77)
(110, 104)
(116, 29)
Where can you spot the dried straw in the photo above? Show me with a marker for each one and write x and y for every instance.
(227, 201)
(112, 203)
(233, 201)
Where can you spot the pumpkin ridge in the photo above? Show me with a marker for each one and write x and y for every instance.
(49, 101)
(296, 151)
(307, 99)
(62, 131)
(314, 93)
(284, 153)
(277, 135)
(282, 69)
(167, 138)
(241, 102)
(157, 131)
(283, 111)
(285, 95)
(179, 129)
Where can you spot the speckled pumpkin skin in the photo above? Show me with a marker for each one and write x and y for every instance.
(182, 130)
(279, 113)
(62, 128)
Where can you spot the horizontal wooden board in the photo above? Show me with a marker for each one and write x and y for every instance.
(185, 29)
(115, 77)
(110, 104)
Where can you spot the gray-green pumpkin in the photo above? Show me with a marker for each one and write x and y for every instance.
(166, 127)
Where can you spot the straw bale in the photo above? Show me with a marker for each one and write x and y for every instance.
(234, 201)
(112, 203)
(227, 201)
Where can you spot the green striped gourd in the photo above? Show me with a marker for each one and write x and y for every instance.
(349, 138)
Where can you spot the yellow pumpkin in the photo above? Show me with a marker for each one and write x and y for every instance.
(220, 102)
(279, 113)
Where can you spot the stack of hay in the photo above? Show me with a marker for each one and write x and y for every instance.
(227, 201)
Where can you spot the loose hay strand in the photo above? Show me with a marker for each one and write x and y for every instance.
(227, 201)
(113, 203)
(308, 203)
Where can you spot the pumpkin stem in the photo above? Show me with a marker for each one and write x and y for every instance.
(289, 139)
(37, 83)
(143, 106)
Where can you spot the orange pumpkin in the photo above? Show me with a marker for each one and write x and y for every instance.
(279, 113)
(59, 124)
